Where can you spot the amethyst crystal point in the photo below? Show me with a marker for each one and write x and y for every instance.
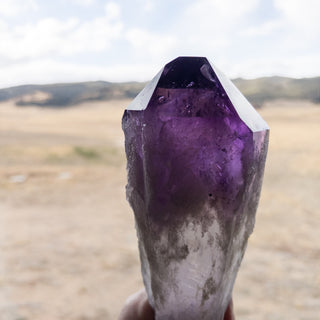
(196, 151)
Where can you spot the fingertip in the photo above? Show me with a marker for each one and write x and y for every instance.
(145, 311)
(229, 314)
(137, 307)
(129, 310)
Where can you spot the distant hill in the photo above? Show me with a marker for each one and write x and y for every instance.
(258, 91)
(68, 94)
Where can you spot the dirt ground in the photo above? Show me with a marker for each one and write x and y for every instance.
(68, 247)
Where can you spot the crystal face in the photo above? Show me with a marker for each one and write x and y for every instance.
(196, 152)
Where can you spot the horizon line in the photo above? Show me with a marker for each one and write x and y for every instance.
(136, 81)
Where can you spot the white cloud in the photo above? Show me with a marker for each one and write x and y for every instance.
(210, 25)
(147, 5)
(301, 24)
(94, 36)
(223, 30)
(112, 10)
(202, 27)
(157, 45)
(304, 14)
(50, 36)
(11, 8)
(265, 29)
(296, 67)
(228, 8)
(85, 3)
(217, 13)
(52, 71)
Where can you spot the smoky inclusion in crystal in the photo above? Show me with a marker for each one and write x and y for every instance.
(196, 153)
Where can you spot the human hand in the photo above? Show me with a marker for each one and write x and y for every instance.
(137, 307)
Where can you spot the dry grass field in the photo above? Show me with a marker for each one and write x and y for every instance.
(68, 247)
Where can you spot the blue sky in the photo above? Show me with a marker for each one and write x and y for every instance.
(78, 40)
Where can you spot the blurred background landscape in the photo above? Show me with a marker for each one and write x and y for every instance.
(258, 91)
(68, 248)
(68, 243)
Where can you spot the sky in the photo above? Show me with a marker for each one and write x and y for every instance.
(130, 40)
